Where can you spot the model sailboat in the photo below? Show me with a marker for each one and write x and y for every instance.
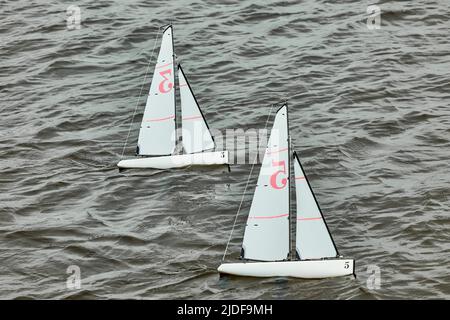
(266, 248)
(158, 135)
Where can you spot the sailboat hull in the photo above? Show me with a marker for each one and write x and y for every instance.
(307, 269)
(176, 161)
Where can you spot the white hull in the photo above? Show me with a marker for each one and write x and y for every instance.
(176, 161)
(307, 269)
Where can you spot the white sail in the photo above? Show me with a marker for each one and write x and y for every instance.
(157, 135)
(195, 131)
(313, 240)
(266, 235)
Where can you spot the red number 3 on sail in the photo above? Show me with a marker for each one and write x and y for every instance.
(162, 87)
(273, 177)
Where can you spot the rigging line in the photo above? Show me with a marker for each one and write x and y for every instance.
(140, 93)
(245, 189)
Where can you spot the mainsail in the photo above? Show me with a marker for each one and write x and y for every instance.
(266, 235)
(195, 131)
(313, 240)
(157, 135)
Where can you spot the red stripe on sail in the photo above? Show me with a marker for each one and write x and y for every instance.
(164, 65)
(308, 219)
(192, 118)
(160, 119)
(299, 178)
(269, 217)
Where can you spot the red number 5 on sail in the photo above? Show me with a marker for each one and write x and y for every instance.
(162, 88)
(273, 177)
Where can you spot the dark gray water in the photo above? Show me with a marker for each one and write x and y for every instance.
(369, 113)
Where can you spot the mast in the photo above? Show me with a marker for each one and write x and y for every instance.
(289, 182)
(174, 88)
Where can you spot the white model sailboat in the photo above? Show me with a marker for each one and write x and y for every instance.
(158, 134)
(266, 246)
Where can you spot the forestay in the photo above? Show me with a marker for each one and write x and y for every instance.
(266, 235)
(157, 135)
(195, 131)
(313, 239)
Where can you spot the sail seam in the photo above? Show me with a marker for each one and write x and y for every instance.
(269, 217)
(160, 119)
(164, 65)
(277, 151)
(192, 118)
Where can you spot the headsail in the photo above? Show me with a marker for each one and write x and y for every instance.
(266, 235)
(195, 131)
(157, 135)
(313, 238)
